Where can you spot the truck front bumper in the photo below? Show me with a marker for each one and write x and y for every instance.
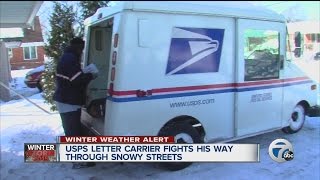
(314, 111)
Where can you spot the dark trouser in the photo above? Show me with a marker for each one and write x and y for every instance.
(71, 123)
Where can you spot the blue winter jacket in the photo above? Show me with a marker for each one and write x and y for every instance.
(71, 82)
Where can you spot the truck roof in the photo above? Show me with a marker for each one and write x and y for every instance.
(217, 8)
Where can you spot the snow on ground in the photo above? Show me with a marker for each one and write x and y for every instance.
(21, 122)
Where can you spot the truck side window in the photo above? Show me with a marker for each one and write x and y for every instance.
(261, 53)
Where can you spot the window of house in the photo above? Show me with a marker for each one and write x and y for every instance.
(30, 52)
(261, 53)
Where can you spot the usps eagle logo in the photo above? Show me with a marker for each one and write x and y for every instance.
(194, 50)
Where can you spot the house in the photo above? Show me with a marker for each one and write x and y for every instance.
(14, 14)
(29, 51)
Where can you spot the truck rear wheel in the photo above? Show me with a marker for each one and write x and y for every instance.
(297, 119)
(183, 132)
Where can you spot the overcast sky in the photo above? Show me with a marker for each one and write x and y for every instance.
(308, 10)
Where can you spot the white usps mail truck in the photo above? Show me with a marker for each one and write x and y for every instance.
(199, 71)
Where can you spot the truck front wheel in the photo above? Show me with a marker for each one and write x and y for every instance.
(297, 119)
(183, 132)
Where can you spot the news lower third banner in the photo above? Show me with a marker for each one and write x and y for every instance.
(138, 149)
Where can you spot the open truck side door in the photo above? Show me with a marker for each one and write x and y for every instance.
(99, 54)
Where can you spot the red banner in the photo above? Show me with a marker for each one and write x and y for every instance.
(116, 139)
(40, 152)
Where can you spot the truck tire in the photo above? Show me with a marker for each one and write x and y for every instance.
(297, 119)
(183, 132)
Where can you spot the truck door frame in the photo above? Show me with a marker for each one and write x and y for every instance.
(248, 123)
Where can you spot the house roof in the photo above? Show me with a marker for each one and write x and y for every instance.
(18, 13)
(217, 8)
(11, 33)
(25, 35)
(15, 15)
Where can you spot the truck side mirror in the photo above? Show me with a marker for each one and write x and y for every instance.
(297, 43)
(297, 39)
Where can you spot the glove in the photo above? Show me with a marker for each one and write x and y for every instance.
(91, 68)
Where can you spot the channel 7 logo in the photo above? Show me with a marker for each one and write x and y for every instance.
(280, 150)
